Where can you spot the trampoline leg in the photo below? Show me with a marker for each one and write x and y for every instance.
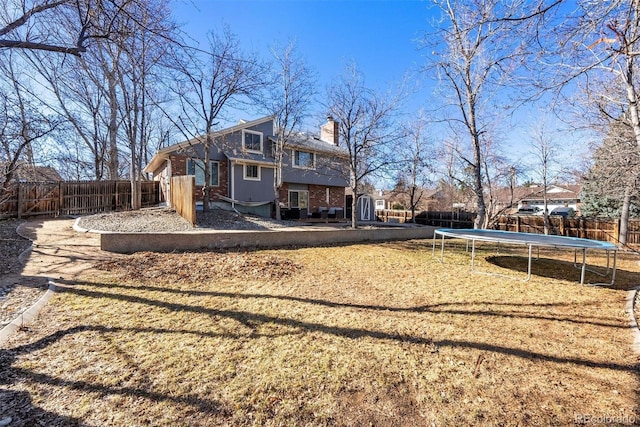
(442, 249)
(473, 254)
(529, 266)
(613, 271)
(433, 250)
(584, 265)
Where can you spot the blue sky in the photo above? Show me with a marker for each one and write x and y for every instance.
(380, 36)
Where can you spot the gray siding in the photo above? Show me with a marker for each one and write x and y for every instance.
(324, 174)
(233, 141)
(253, 191)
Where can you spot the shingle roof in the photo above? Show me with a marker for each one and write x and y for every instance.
(313, 143)
(29, 173)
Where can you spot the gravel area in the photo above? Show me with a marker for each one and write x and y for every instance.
(17, 293)
(166, 220)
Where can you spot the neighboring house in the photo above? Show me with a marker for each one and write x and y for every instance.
(557, 196)
(532, 197)
(243, 165)
(29, 173)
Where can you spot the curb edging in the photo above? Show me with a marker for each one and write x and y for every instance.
(630, 308)
(28, 315)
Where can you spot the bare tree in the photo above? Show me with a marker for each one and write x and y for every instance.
(545, 152)
(78, 94)
(476, 54)
(210, 83)
(140, 54)
(287, 101)
(597, 50)
(366, 128)
(62, 26)
(415, 153)
(612, 184)
(22, 123)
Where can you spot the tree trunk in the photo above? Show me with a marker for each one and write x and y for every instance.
(206, 190)
(354, 207)
(545, 212)
(113, 128)
(624, 214)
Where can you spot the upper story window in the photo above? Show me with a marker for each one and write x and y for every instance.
(251, 172)
(252, 141)
(304, 159)
(196, 167)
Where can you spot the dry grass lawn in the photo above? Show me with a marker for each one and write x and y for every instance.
(379, 334)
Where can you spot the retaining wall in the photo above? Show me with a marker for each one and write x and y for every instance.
(167, 242)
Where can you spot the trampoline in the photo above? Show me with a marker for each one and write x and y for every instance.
(531, 240)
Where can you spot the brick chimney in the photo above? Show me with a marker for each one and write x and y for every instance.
(329, 131)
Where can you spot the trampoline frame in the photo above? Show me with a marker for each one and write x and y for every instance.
(530, 240)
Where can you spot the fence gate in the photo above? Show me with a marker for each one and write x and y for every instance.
(42, 198)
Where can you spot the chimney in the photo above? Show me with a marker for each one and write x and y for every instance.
(329, 131)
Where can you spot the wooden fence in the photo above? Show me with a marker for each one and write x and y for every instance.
(446, 219)
(606, 230)
(26, 199)
(393, 215)
(183, 196)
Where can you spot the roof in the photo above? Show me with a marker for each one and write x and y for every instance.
(240, 156)
(313, 143)
(30, 173)
(163, 154)
(554, 192)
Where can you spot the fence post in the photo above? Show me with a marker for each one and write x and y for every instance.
(517, 224)
(562, 226)
(19, 201)
(616, 231)
(60, 199)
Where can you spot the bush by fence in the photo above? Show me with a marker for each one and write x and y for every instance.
(27, 199)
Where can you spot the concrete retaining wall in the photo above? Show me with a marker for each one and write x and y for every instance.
(166, 242)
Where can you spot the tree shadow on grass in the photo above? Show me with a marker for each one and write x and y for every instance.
(10, 374)
(18, 409)
(252, 320)
(25, 413)
(442, 308)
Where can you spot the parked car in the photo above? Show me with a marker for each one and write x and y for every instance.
(564, 212)
(529, 210)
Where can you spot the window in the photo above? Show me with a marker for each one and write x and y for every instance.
(298, 199)
(252, 141)
(196, 167)
(304, 159)
(252, 172)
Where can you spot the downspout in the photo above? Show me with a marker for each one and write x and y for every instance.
(168, 177)
(233, 185)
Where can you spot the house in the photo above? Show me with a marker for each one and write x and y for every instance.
(25, 172)
(557, 196)
(243, 168)
(531, 198)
